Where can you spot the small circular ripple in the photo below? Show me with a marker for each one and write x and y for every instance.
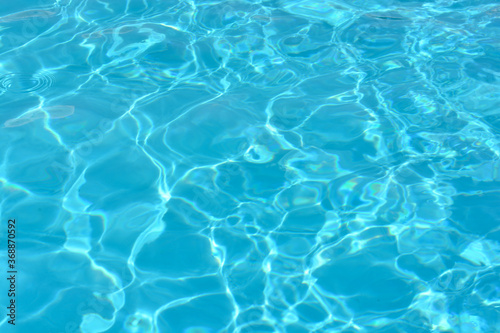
(25, 83)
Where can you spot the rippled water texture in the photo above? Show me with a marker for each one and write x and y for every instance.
(252, 166)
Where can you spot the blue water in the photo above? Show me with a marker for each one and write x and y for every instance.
(251, 166)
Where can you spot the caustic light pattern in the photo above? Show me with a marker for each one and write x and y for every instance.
(252, 166)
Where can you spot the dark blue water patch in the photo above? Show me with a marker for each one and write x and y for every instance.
(236, 243)
(328, 85)
(425, 271)
(231, 179)
(466, 4)
(134, 179)
(478, 213)
(483, 69)
(209, 319)
(178, 255)
(41, 176)
(248, 288)
(486, 287)
(263, 180)
(207, 199)
(209, 129)
(371, 287)
(311, 312)
(296, 328)
(179, 217)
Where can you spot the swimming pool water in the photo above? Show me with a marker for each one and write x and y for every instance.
(251, 166)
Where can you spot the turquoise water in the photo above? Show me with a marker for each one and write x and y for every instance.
(251, 166)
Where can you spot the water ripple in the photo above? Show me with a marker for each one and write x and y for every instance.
(25, 83)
